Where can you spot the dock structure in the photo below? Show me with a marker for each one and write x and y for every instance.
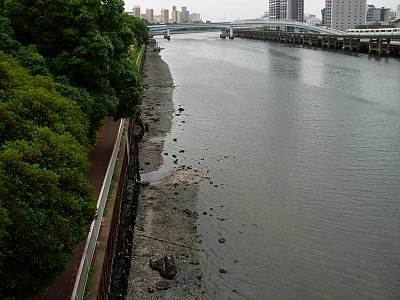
(372, 45)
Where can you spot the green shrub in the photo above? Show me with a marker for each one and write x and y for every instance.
(45, 197)
(45, 202)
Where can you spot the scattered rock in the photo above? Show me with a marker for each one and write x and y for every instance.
(194, 262)
(181, 109)
(163, 285)
(150, 290)
(222, 271)
(222, 240)
(147, 163)
(157, 264)
(174, 156)
(182, 151)
(175, 140)
(166, 266)
(166, 154)
(170, 267)
(204, 213)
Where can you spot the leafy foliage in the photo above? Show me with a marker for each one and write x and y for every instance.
(64, 66)
(45, 201)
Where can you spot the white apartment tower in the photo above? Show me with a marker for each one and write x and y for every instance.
(286, 10)
(345, 14)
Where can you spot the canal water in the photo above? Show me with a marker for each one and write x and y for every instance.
(303, 152)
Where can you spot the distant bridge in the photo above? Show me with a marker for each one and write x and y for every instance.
(287, 26)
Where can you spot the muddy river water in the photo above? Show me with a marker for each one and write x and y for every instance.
(302, 149)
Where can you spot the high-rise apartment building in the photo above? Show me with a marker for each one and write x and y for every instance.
(184, 15)
(195, 18)
(295, 10)
(343, 15)
(165, 16)
(150, 15)
(136, 11)
(377, 15)
(174, 15)
(286, 10)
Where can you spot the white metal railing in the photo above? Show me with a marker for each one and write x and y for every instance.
(88, 252)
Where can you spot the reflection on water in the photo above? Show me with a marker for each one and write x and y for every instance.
(303, 150)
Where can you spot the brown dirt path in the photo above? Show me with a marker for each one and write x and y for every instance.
(99, 157)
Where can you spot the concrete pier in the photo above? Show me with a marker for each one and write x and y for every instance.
(374, 46)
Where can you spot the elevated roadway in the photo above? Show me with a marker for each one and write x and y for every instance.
(287, 26)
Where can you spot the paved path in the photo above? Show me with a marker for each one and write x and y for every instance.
(99, 157)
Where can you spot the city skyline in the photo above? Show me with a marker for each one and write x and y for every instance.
(232, 10)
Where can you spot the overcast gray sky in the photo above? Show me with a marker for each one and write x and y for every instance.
(217, 10)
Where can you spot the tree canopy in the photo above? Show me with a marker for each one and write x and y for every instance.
(65, 65)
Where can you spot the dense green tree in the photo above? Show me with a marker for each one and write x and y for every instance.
(85, 41)
(27, 101)
(45, 202)
(44, 196)
(72, 66)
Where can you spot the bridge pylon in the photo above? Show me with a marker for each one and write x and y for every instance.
(231, 33)
(223, 34)
(167, 34)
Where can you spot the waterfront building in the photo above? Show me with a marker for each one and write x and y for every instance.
(343, 15)
(158, 19)
(392, 16)
(312, 20)
(184, 15)
(165, 16)
(194, 18)
(398, 13)
(174, 14)
(136, 11)
(150, 15)
(323, 16)
(377, 16)
(286, 10)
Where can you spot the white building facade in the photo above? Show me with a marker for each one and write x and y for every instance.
(345, 14)
(286, 10)
(194, 18)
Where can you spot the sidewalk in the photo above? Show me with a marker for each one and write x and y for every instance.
(99, 157)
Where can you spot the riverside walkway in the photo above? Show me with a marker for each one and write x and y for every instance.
(99, 157)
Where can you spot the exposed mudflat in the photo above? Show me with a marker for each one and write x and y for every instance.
(166, 218)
